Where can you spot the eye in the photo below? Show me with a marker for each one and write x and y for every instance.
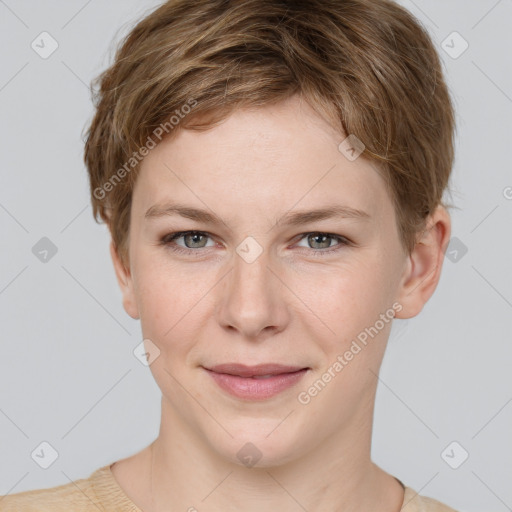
(192, 240)
(319, 243)
(322, 241)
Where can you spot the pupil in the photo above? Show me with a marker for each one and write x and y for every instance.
(195, 237)
(320, 238)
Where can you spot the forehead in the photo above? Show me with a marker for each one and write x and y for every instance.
(280, 156)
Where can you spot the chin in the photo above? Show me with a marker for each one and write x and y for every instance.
(252, 446)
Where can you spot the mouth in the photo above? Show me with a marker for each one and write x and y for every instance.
(258, 382)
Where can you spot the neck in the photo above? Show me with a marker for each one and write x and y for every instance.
(186, 474)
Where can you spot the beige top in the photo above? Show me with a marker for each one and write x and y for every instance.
(101, 492)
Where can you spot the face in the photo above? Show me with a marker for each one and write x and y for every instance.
(261, 281)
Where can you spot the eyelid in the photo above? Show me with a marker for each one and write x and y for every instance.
(340, 238)
(171, 237)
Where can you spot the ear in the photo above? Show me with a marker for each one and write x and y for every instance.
(125, 281)
(423, 268)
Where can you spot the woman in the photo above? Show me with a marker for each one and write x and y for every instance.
(272, 174)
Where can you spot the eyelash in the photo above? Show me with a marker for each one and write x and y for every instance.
(168, 241)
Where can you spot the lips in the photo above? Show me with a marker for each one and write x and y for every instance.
(257, 371)
(260, 382)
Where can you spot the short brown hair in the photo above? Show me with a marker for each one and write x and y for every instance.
(367, 65)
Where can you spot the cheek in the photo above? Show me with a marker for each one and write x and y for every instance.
(347, 303)
(346, 296)
(161, 296)
(171, 302)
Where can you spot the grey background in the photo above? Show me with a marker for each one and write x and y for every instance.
(68, 374)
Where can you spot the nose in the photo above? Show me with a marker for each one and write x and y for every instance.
(252, 299)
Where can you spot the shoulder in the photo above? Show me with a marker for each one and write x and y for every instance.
(79, 496)
(413, 502)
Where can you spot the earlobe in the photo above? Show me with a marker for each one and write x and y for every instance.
(125, 281)
(423, 268)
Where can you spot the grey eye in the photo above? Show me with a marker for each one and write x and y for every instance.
(319, 240)
(193, 240)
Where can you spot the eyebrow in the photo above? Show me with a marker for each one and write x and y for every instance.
(290, 219)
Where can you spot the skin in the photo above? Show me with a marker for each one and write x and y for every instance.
(287, 306)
